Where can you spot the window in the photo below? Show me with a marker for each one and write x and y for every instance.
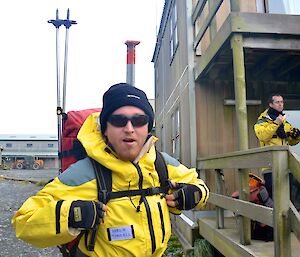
(29, 145)
(8, 145)
(50, 145)
(176, 134)
(173, 31)
(284, 6)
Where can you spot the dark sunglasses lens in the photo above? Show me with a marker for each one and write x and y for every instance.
(122, 120)
(139, 120)
(118, 120)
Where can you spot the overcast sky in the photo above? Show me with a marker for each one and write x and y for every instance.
(96, 59)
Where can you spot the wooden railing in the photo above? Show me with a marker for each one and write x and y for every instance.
(214, 7)
(283, 217)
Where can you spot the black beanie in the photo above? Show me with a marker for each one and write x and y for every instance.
(123, 94)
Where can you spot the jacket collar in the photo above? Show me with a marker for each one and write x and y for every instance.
(96, 146)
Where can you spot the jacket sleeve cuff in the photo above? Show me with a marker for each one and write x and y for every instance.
(74, 231)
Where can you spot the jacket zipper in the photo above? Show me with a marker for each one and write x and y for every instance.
(162, 222)
(147, 207)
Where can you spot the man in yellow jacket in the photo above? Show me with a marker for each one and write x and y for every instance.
(137, 225)
(272, 128)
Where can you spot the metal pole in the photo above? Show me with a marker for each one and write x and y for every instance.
(57, 23)
(60, 109)
(67, 23)
(130, 75)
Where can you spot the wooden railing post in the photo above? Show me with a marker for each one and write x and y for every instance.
(281, 197)
(220, 190)
(242, 125)
(244, 222)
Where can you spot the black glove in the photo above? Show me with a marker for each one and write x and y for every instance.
(295, 133)
(187, 196)
(85, 214)
(280, 132)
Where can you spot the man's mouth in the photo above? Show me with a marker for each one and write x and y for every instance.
(128, 140)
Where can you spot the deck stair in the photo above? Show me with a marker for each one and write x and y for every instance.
(227, 240)
(227, 226)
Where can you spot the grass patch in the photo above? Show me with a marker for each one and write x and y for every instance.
(174, 248)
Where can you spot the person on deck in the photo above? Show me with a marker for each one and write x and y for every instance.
(137, 225)
(272, 128)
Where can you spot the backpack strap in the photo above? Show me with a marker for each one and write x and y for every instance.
(103, 179)
(162, 170)
(104, 188)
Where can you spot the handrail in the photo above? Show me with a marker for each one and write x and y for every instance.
(294, 165)
(284, 217)
(197, 12)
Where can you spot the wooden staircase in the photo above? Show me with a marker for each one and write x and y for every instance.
(227, 240)
(230, 233)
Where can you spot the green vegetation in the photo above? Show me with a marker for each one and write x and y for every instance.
(174, 248)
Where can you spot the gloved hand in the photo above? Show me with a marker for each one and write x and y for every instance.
(187, 196)
(295, 133)
(85, 214)
(280, 132)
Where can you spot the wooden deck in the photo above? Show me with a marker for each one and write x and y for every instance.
(228, 240)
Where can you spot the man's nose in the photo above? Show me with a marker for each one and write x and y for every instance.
(129, 127)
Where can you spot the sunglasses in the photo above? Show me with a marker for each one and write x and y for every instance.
(138, 120)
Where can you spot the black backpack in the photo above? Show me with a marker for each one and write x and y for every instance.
(104, 187)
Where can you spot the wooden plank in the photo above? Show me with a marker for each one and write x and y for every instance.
(281, 199)
(265, 23)
(251, 158)
(278, 25)
(215, 46)
(253, 211)
(295, 220)
(274, 43)
(248, 6)
(227, 240)
(222, 13)
(185, 229)
(211, 15)
(259, 160)
(294, 165)
(220, 190)
(198, 10)
(240, 90)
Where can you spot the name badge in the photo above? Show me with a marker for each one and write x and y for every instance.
(120, 233)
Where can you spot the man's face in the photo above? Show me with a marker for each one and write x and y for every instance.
(128, 140)
(277, 103)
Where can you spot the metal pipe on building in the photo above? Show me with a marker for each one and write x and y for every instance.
(130, 73)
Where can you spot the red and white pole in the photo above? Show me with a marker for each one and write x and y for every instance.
(130, 73)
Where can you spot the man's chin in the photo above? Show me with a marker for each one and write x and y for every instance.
(128, 156)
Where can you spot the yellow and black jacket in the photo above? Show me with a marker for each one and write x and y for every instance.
(43, 219)
(265, 129)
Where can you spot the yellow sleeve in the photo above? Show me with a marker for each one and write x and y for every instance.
(43, 219)
(265, 130)
(181, 174)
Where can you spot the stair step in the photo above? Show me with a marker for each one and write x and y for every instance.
(227, 240)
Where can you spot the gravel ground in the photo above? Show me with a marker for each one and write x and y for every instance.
(35, 175)
(13, 194)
